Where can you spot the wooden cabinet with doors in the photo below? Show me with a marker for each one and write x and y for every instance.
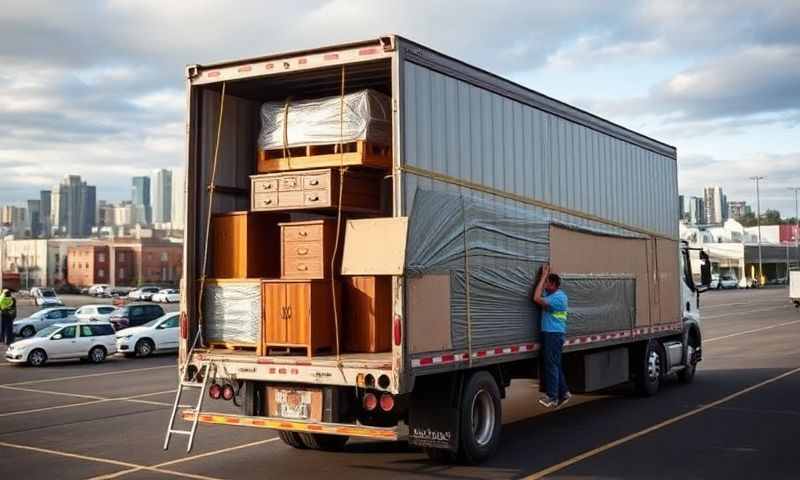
(298, 317)
(367, 314)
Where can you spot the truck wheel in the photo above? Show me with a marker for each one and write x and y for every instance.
(292, 439)
(687, 374)
(321, 441)
(481, 420)
(648, 379)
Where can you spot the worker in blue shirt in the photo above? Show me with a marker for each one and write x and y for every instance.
(554, 304)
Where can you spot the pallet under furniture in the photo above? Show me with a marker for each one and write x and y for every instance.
(358, 153)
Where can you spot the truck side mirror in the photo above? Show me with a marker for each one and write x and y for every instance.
(705, 269)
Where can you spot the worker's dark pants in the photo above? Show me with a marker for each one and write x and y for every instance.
(7, 332)
(554, 382)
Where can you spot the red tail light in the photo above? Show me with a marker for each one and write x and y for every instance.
(227, 392)
(184, 326)
(397, 330)
(370, 402)
(214, 391)
(387, 402)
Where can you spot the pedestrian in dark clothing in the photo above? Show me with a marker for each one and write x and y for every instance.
(8, 313)
(554, 304)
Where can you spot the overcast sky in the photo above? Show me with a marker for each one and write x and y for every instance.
(96, 88)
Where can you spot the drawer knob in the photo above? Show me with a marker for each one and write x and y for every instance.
(268, 202)
(266, 186)
(302, 251)
(314, 182)
(302, 233)
(302, 267)
(313, 198)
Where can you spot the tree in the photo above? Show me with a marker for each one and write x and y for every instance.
(771, 217)
(747, 220)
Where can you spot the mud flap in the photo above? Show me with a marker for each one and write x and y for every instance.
(434, 412)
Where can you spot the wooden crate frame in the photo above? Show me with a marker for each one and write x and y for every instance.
(358, 153)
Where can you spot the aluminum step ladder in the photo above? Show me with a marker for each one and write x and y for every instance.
(208, 369)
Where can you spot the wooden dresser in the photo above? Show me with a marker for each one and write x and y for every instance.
(316, 189)
(298, 317)
(307, 248)
(367, 314)
(245, 245)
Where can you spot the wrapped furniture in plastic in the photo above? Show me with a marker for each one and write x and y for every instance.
(232, 312)
(366, 116)
(492, 253)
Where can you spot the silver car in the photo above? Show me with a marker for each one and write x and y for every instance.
(27, 327)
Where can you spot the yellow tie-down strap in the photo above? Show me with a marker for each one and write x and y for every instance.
(377, 433)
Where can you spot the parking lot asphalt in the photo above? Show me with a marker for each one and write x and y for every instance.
(738, 419)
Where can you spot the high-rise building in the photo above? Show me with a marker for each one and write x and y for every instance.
(13, 218)
(736, 210)
(178, 200)
(123, 214)
(696, 211)
(34, 218)
(162, 196)
(45, 202)
(140, 197)
(73, 205)
(681, 207)
(713, 202)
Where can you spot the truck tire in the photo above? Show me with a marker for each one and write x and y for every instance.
(481, 418)
(687, 374)
(648, 378)
(321, 441)
(292, 439)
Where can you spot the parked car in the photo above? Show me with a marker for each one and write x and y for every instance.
(143, 293)
(45, 297)
(135, 314)
(93, 341)
(99, 289)
(94, 313)
(728, 281)
(28, 326)
(156, 335)
(167, 295)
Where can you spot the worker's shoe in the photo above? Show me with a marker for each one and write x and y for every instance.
(564, 399)
(548, 402)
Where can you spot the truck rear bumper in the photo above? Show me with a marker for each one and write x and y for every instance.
(376, 433)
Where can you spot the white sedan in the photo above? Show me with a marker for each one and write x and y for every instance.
(93, 341)
(156, 335)
(94, 313)
(167, 295)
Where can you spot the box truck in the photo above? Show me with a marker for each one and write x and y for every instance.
(428, 204)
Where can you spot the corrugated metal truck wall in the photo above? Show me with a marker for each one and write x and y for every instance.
(457, 129)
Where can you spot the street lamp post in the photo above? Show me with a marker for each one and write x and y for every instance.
(758, 222)
(796, 191)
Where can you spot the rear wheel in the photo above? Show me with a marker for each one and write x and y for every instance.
(97, 354)
(27, 332)
(37, 358)
(480, 418)
(292, 439)
(321, 441)
(687, 374)
(648, 379)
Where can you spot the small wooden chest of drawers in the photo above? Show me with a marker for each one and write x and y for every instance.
(316, 189)
(307, 249)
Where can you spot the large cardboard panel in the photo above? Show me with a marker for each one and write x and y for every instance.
(668, 280)
(428, 305)
(581, 252)
(375, 246)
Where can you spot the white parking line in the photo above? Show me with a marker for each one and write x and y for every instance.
(743, 312)
(94, 399)
(90, 375)
(751, 331)
(104, 460)
(187, 459)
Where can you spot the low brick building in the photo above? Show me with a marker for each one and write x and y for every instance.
(125, 262)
